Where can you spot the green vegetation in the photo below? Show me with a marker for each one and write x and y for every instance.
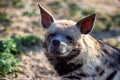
(30, 40)
(30, 13)
(56, 4)
(11, 47)
(74, 8)
(106, 21)
(116, 19)
(118, 45)
(114, 42)
(5, 20)
(98, 26)
(36, 23)
(18, 3)
(8, 63)
(103, 22)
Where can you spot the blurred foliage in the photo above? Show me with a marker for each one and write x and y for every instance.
(106, 21)
(30, 13)
(18, 4)
(11, 47)
(103, 22)
(15, 44)
(8, 63)
(36, 23)
(5, 20)
(30, 40)
(73, 9)
(113, 41)
(56, 4)
(116, 19)
(98, 26)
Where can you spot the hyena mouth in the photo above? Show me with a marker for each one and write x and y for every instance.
(56, 52)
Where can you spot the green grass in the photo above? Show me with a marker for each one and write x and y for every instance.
(8, 63)
(11, 47)
(30, 13)
(74, 8)
(30, 40)
(103, 21)
(18, 3)
(36, 23)
(106, 20)
(116, 19)
(98, 26)
(114, 42)
(5, 20)
(57, 4)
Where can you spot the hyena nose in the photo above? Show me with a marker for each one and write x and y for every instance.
(56, 42)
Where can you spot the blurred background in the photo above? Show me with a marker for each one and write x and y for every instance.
(21, 31)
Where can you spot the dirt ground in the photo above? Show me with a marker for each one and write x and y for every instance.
(34, 65)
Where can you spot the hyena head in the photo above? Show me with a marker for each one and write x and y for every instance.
(62, 35)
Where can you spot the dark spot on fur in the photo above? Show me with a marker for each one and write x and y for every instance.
(63, 68)
(100, 71)
(111, 76)
(98, 56)
(73, 77)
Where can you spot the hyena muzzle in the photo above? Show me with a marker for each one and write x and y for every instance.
(75, 54)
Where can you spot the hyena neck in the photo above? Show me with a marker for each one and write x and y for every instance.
(111, 54)
(97, 54)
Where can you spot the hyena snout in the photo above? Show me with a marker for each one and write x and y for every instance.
(58, 46)
(56, 43)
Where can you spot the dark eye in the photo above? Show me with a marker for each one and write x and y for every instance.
(69, 38)
(52, 34)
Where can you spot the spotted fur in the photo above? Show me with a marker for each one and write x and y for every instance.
(88, 58)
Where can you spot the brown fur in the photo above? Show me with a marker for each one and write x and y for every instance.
(75, 54)
(88, 54)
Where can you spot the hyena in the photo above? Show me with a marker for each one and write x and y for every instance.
(74, 53)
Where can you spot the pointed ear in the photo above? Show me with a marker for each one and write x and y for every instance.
(46, 18)
(86, 24)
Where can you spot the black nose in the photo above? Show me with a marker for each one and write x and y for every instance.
(56, 42)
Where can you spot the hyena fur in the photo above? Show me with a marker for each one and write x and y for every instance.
(74, 53)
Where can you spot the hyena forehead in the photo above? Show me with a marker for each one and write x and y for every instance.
(66, 27)
(63, 26)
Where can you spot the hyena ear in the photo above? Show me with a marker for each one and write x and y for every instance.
(46, 18)
(86, 24)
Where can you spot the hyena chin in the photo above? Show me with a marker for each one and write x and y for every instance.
(75, 54)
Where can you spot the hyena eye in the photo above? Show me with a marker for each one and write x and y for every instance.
(69, 38)
(51, 35)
